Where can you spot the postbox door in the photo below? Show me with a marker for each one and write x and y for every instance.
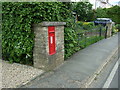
(51, 39)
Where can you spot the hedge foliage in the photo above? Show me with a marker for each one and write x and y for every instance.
(17, 33)
(17, 20)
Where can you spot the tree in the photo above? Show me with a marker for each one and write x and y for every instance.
(112, 13)
(101, 13)
(84, 11)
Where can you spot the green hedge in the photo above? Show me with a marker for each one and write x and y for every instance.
(17, 20)
(17, 34)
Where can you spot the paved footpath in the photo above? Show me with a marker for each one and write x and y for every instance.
(78, 67)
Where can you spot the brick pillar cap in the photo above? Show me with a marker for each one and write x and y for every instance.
(46, 23)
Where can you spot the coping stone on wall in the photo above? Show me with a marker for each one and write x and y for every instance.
(46, 23)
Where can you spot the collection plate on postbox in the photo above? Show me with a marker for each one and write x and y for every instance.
(51, 40)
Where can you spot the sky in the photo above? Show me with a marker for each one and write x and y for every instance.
(114, 2)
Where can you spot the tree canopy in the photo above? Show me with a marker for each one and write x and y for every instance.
(112, 13)
(84, 11)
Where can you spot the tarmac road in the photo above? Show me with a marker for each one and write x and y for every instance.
(112, 80)
(108, 78)
(114, 83)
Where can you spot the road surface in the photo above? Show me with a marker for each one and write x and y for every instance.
(114, 82)
(108, 78)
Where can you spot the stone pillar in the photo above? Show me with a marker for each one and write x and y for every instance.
(41, 55)
(109, 29)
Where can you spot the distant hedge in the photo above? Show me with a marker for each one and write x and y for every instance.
(17, 20)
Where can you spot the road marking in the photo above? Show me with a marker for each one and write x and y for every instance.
(111, 76)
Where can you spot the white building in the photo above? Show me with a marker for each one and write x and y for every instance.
(97, 3)
(119, 3)
(100, 4)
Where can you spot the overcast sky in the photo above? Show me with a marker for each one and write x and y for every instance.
(114, 2)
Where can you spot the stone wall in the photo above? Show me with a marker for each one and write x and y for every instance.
(109, 29)
(41, 57)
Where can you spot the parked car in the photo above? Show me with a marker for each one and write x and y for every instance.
(102, 21)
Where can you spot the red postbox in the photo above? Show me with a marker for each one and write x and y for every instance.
(51, 40)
